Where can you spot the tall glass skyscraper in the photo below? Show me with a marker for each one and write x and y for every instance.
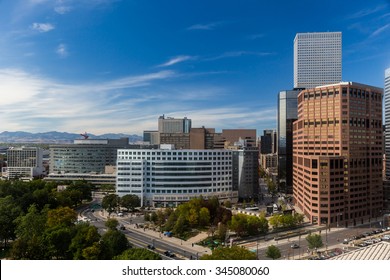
(287, 114)
(317, 59)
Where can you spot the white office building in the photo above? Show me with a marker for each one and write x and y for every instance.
(317, 59)
(24, 163)
(166, 177)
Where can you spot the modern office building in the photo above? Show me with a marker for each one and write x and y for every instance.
(267, 142)
(287, 114)
(151, 137)
(172, 125)
(386, 190)
(85, 155)
(24, 163)
(246, 173)
(166, 177)
(317, 59)
(245, 170)
(338, 153)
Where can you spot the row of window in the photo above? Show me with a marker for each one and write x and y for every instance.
(171, 153)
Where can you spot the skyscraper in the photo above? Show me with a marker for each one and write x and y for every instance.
(268, 145)
(317, 59)
(172, 125)
(338, 153)
(386, 190)
(287, 114)
(387, 121)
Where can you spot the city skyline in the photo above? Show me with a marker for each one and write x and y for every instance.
(115, 66)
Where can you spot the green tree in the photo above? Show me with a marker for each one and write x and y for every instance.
(30, 243)
(153, 217)
(298, 218)
(180, 226)
(107, 188)
(193, 217)
(9, 211)
(273, 252)
(130, 201)
(138, 254)
(84, 187)
(275, 221)
(92, 252)
(271, 187)
(111, 223)
(204, 217)
(110, 203)
(86, 237)
(314, 241)
(61, 217)
(238, 224)
(221, 231)
(75, 196)
(113, 243)
(233, 253)
(256, 225)
(57, 241)
(227, 204)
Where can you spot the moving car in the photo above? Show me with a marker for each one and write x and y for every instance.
(169, 254)
(295, 246)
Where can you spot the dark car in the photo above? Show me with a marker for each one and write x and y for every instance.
(122, 227)
(151, 247)
(295, 246)
(169, 254)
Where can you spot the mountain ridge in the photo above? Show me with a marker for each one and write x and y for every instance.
(58, 137)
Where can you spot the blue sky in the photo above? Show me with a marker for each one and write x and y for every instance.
(115, 65)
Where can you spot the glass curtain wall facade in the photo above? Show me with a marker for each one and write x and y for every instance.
(287, 114)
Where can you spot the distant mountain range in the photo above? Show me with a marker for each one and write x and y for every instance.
(58, 137)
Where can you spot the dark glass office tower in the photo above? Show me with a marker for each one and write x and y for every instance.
(287, 114)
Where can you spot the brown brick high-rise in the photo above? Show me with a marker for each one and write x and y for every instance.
(337, 154)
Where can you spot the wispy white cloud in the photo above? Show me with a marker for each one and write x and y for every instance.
(130, 104)
(380, 30)
(177, 59)
(182, 58)
(42, 27)
(62, 9)
(206, 26)
(62, 50)
(368, 11)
